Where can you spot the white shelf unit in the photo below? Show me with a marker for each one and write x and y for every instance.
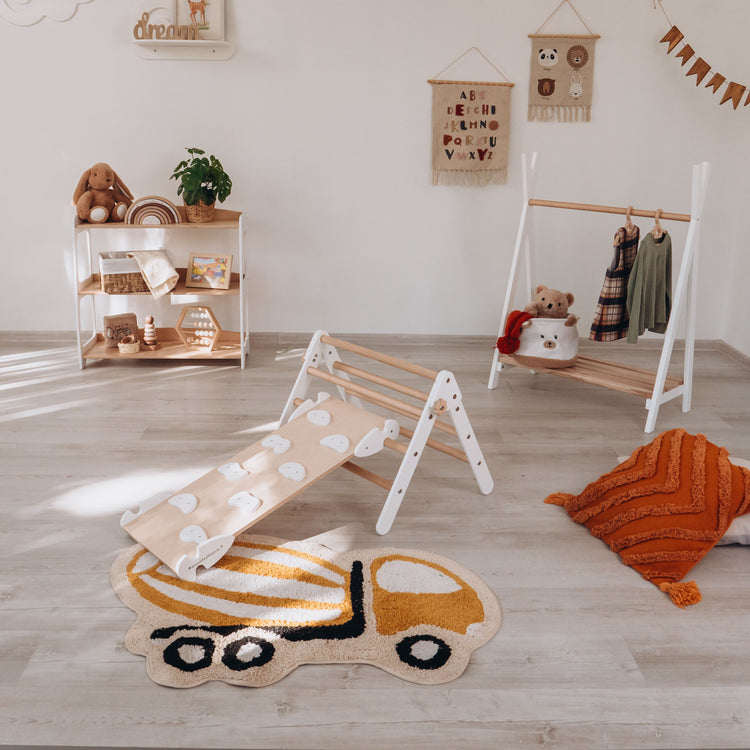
(655, 387)
(233, 344)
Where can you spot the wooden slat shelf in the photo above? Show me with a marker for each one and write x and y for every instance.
(92, 285)
(613, 375)
(229, 347)
(223, 219)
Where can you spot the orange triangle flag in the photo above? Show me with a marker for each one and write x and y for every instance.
(716, 81)
(734, 92)
(699, 69)
(685, 53)
(674, 36)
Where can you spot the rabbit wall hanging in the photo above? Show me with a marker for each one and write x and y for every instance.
(562, 73)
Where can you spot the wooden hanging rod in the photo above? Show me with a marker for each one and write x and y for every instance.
(565, 36)
(609, 209)
(473, 83)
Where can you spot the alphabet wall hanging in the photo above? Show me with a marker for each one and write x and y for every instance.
(562, 73)
(470, 129)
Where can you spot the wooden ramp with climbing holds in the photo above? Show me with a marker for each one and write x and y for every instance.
(197, 525)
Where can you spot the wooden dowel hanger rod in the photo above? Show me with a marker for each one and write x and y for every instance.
(608, 209)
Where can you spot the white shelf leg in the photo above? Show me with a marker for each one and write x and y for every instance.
(79, 341)
(523, 244)
(701, 174)
(244, 336)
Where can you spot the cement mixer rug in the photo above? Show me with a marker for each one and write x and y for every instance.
(269, 606)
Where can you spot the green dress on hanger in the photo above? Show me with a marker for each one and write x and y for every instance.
(650, 287)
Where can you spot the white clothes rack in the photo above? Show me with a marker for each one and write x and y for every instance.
(656, 387)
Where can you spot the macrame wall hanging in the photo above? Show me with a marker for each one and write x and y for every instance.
(700, 68)
(470, 129)
(562, 73)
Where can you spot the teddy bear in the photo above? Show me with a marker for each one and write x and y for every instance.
(550, 303)
(101, 195)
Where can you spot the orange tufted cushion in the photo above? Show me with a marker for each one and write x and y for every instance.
(664, 507)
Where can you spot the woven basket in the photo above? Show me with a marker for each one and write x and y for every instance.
(124, 283)
(199, 213)
(120, 274)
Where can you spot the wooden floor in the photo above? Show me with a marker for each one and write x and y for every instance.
(588, 656)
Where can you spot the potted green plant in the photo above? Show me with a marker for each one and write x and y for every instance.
(202, 181)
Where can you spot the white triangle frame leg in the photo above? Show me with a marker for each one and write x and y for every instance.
(444, 399)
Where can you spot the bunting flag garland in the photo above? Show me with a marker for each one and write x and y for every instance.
(700, 68)
(470, 130)
(562, 73)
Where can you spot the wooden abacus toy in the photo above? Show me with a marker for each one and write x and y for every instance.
(198, 326)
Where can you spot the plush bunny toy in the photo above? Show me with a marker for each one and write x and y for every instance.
(101, 195)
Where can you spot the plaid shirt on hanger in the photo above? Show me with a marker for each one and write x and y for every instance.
(611, 317)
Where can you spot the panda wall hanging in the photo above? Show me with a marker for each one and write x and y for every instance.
(562, 73)
(470, 124)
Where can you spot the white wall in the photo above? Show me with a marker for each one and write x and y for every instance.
(322, 118)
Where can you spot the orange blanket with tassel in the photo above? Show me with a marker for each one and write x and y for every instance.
(664, 508)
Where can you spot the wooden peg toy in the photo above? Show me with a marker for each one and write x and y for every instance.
(149, 334)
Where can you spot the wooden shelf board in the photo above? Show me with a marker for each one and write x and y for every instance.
(93, 285)
(613, 375)
(223, 219)
(229, 347)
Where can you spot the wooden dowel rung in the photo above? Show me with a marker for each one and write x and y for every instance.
(370, 476)
(365, 392)
(378, 357)
(387, 402)
(438, 446)
(396, 446)
(385, 382)
(608, 209)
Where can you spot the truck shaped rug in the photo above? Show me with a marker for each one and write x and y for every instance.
(269, 606)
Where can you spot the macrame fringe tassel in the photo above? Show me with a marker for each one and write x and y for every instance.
(558, 498)
(560, 112)
(683, 593)
(460, 177)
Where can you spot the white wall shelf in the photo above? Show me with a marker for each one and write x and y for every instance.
(184, 49)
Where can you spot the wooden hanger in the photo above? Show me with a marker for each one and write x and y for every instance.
(628, 220)
(657, 232)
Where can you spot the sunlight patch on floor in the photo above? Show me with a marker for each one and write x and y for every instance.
(289, 354)
(39, 410)
(260, 429)
(125, 492)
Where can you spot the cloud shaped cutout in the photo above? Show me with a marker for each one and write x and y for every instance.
(29, 12)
